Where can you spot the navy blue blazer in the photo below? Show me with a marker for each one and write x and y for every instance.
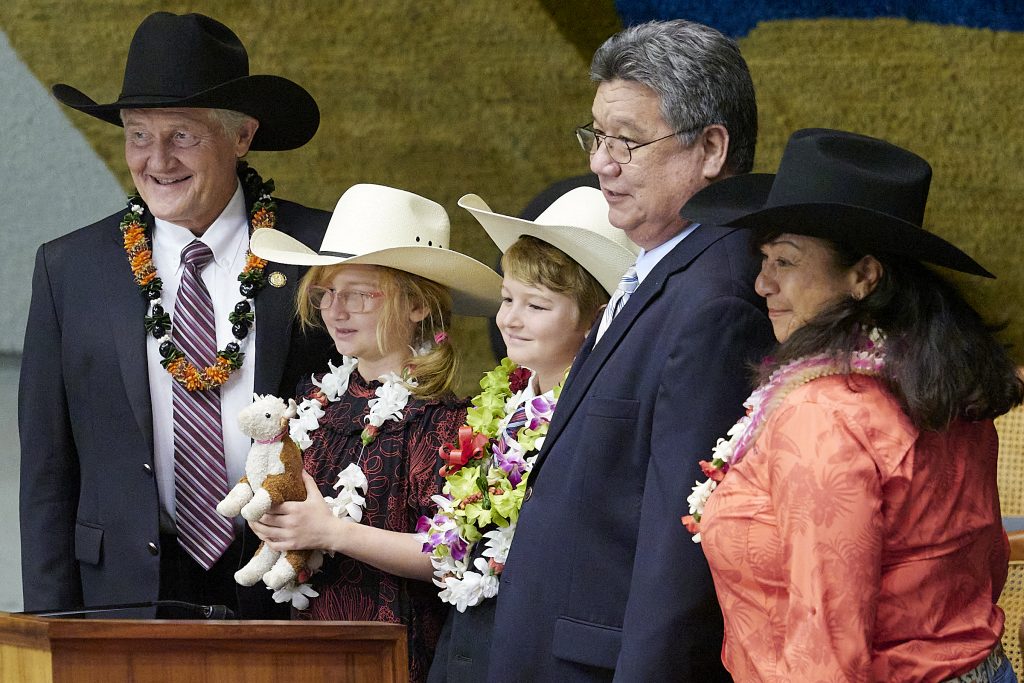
(89, 506)
(602, 579)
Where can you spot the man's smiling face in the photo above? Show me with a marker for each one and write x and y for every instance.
(183, 162)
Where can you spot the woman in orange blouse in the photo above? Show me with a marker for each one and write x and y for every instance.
(851, 519)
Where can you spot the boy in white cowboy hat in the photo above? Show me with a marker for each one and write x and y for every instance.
(384, 285)
(142, 345)
(559, 272)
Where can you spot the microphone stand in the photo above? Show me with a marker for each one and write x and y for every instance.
(196, 611)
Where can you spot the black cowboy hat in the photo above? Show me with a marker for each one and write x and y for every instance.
(852, 189)
(191, 60)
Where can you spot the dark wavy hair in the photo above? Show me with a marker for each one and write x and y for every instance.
(943, 363)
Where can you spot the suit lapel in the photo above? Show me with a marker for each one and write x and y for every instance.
(592, 359)
(275, 310)
(126, 309)
(275, 314)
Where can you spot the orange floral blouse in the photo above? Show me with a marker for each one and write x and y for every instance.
(849, 546)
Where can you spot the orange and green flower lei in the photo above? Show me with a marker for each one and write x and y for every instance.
(158, 321)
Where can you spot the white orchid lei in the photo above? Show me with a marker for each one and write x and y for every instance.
(391, 399)
(347, 506)
(761, 403)
(485, 482)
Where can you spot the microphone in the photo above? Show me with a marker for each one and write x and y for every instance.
(189, 609)
(219, 612)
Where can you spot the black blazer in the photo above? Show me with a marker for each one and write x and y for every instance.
(89, 506)
(602, 579)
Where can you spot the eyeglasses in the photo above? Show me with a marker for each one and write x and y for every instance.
(619, 149)
(351, 300)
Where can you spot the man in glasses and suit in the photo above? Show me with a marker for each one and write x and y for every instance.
(602, 580)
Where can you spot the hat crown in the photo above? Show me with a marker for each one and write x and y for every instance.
(821, 166)
(584, 208)
(576, 223)
(581, 206)
(180, 55)
(370, 218)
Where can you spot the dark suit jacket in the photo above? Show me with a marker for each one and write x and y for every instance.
(602, 579)
(89, 503)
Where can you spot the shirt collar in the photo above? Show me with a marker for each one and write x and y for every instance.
(225, 236)
(647, 260)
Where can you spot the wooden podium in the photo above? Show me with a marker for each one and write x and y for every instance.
(45, 650)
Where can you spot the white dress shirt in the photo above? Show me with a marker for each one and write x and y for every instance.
(645, 263)
(228, 238)
(647, 260)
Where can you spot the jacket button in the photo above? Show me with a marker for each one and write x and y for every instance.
(528, 493)
(153, 550)
(148, 468)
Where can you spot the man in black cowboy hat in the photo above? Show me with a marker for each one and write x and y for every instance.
(149, 330)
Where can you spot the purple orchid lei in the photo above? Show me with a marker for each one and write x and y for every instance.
(485, 482)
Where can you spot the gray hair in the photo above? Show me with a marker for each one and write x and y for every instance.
(699, 75)
(229, 120)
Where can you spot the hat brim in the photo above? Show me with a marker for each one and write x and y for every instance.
(739, 202)
(475, 288)
(870, 231)
(288, 114)
(604, 258)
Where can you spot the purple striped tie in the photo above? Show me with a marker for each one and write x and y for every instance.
(200, 478)
(517, 422)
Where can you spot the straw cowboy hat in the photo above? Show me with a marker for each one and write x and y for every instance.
(852, 189)
(191, 60)
(384, 226)
(576, 223)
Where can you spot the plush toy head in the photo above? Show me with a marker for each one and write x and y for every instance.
(266, 417)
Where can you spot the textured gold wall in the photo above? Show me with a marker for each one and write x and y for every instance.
(953, 95)
(447, 97)
(440, 98)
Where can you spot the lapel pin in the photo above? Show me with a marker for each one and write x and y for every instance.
(278, 279)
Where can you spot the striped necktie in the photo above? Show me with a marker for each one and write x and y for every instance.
(200, 478)
(517, 421)
(627, 285)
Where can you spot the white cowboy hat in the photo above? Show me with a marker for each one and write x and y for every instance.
(384, 226)
(576, 223)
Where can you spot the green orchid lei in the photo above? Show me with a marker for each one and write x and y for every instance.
(488, 407)
(485, 485)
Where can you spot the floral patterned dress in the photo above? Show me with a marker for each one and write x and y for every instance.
(401, 466)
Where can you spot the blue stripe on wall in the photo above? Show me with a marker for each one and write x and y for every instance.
(736, 17)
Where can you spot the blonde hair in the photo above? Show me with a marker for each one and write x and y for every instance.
(536, 262)
(436, 368)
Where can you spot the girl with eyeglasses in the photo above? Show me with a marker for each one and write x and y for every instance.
(384, 285)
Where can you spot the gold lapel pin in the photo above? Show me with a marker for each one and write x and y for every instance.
(278, 279)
